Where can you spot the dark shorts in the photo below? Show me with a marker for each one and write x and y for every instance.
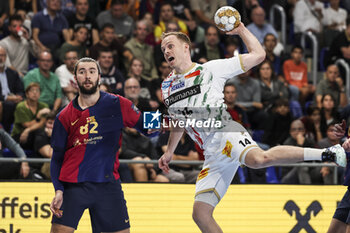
(105, 201)
(343, 209)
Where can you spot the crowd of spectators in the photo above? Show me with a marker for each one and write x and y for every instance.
(40, 41)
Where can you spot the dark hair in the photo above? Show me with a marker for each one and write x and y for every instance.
(311, 109)
(79, 27)
(281, 102)
(230, 84)
(104, 51)
(297, 47)
(86, 59)
(164, 3)
(270, 34)
(15, 17)
(273, 76)
(50, 116)
(107, 25)
(324, 96)
(211, 26)
(117, 2)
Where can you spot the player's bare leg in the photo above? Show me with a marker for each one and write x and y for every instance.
(203, 217)
(58, 228)
(257, 158)
(338, 227)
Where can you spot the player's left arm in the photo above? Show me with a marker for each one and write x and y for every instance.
(256, 53)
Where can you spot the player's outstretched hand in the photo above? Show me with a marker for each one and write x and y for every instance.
(164, 161)
(56, 204)
(237, 30)
(339, 129)
(346, 145)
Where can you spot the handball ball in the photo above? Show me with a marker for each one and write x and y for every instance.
(227, 18)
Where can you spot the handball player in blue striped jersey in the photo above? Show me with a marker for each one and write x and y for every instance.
(86, 139)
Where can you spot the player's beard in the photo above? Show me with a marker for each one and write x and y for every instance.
(89, 91)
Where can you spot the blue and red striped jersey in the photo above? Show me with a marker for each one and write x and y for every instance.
(85, 142)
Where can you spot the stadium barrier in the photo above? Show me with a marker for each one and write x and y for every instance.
(314, 53)
(167, 208)
(280, 10)
(345, 65)
(187, 162)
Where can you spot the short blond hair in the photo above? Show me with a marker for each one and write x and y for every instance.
(179, 35)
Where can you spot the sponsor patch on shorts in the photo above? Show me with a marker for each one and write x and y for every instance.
(203, 174)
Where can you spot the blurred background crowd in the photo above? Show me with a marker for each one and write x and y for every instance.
(279, 102)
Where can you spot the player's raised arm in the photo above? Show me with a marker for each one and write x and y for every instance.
(256, 53)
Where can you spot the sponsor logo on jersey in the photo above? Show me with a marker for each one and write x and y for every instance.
(228, 148)
(165, 84)
(203, 174)
(135, 109)
(178, 86)
(183, 94)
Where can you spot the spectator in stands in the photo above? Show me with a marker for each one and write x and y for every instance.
(295, 73)
(307, 16)
(17, 46)
(245, 9)
(270, 42)
(185, 150)
(258, 26)
(4, 12)
(333, 85)
(277, 124)
(80, 18)
(110, 42)
(141, 50)
(272, 89)
(236, 112)
(135, 146)
(24, 5)
(210, 49)
(12, 170)
(123, 23)
(231, 47)
(110, 75)
(340, 46)
(65, 74)
(132, 92)
(329, 113)
(249, 98)
(334, 17)
(181, 9)
(29, 117)
(42, 145)
(205, 10)
(334, 21)
(51, 92)
(80, 36)
(150, 39)
(135, 71)
(166, 16)
(330, 140)
(156, 92)
(298, 175)
(49, 26)
(312, 123)
(11, 92)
